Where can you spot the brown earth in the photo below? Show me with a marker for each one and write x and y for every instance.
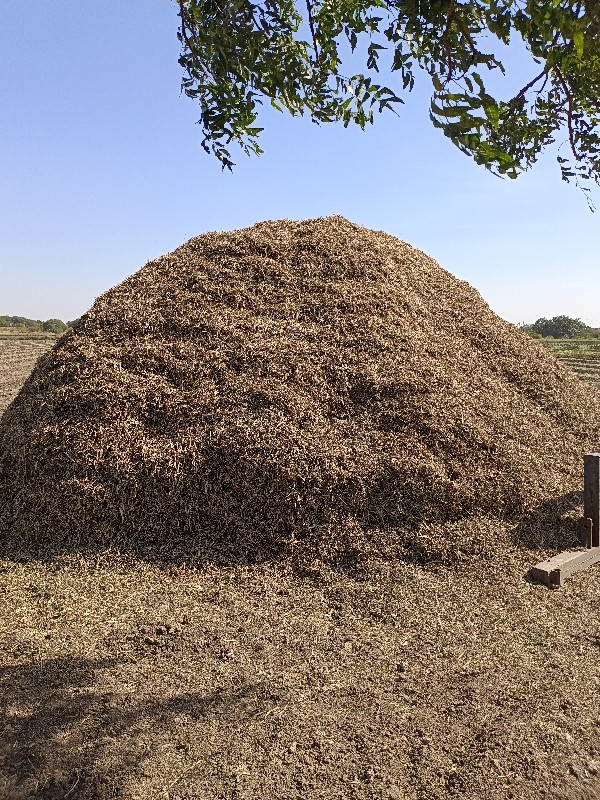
(17, 358)
(434, 674)
(587, 368)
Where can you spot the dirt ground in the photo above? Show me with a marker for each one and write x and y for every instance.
(585, 367)
(144, 678)
(17, 358)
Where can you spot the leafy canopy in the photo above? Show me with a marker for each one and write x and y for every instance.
(561, 327)
(237, 53)
(25, 324)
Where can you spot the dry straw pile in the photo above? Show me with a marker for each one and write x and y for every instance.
(294, 382)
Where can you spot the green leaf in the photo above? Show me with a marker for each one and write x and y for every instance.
(450, 111)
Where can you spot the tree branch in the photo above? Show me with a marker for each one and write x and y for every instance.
(187, 24)
(447, 26)
(569, 96)
(522, 92)
(311, 25)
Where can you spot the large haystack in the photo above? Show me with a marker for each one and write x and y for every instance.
(291, 381)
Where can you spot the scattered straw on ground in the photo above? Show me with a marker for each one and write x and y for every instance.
(325, 467)
(125, 680)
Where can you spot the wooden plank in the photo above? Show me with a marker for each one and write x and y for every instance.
(554, 571)
(579, 560)
(591, 493)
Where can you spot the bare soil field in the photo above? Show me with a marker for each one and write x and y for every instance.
(444, 675)
(17, 358)
(586, 367)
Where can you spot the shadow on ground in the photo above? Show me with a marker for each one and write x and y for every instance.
(551, 525)
(64, 733)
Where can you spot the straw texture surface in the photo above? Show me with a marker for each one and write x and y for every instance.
(294, 384)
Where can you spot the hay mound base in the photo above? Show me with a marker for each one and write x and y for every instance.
(294, 381)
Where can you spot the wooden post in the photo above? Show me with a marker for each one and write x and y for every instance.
(554, 571)
(591, 493)
(585, 532)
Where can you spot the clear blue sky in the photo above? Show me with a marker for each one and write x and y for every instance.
(101, 170)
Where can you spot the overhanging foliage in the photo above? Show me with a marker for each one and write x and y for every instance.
(237, 53)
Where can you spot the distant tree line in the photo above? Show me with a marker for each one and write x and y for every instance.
(36, 325)
(561, 327)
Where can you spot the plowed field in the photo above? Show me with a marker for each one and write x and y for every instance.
(585, 367)
(17, 359)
